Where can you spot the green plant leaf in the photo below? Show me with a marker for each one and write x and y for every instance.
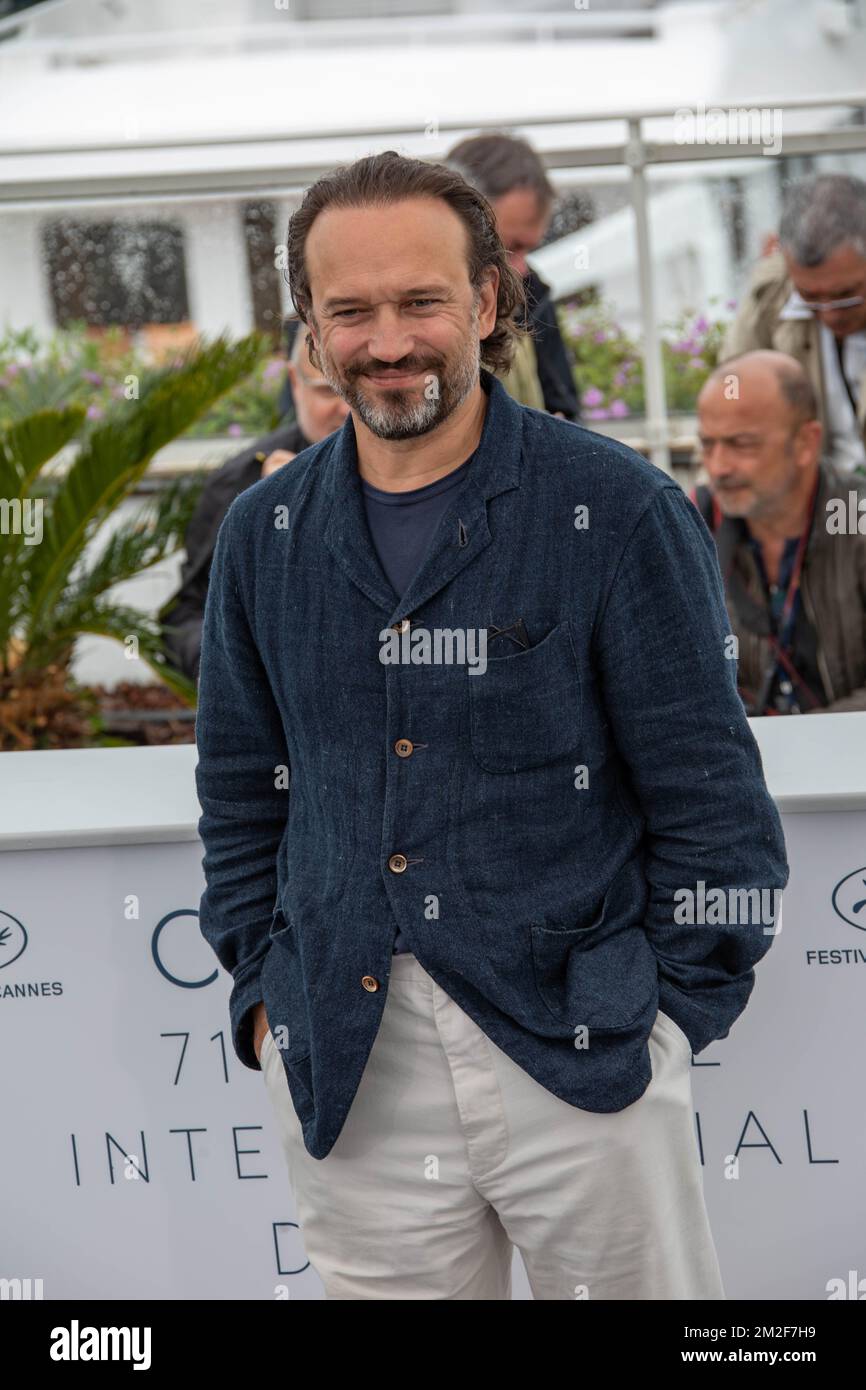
(116, 456)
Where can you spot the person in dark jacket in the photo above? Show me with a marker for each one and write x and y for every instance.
(318, 412)
(471, 691)
(512, 178)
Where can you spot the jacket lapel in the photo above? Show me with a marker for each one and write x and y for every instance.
(463, 531)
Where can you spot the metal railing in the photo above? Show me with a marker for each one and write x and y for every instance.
(632, 148)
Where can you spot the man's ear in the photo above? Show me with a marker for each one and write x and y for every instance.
(487, 316)
(311, 329)
(809, 437)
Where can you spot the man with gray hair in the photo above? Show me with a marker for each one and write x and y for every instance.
(808, 299)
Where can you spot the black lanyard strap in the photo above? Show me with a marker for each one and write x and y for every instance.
(782, 646)
(840, 357)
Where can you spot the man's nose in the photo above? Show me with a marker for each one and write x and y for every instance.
(389, 341)
(717, 463)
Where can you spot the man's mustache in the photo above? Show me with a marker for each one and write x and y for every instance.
(382, 368)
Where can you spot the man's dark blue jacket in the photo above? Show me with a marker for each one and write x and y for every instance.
(526, 828)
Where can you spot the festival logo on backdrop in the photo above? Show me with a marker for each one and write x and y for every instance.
(849, 899)
(13, 938)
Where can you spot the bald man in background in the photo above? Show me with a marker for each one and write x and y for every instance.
(790, 551)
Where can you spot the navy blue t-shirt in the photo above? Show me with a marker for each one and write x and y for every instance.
(402, 525)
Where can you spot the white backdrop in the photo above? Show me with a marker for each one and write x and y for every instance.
(114, 1038)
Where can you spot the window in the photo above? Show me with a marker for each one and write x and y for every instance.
(126, 273)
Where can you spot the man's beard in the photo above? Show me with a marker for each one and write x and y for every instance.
(406, 412)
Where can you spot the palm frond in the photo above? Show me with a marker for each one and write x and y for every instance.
(117, 455)
(24, 448)
(138, 633)
(156, 531)
(27, 444)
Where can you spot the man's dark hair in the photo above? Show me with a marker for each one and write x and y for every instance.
(498, 163)
(291, 328)
(821, 214)
(383, 179)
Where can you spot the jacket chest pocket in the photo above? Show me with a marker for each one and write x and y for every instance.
(524, 710)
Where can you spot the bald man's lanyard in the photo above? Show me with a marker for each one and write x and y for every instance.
(781, 645)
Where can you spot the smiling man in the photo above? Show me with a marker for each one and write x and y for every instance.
(448, 898)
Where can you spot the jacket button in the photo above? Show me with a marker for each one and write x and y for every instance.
(402, 626)
(397, 863)
(369, 983)
(404, 748)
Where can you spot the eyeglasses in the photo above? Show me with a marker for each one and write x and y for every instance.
(816, 306)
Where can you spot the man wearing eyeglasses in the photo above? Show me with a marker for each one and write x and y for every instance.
(795, 579)
(808, 299)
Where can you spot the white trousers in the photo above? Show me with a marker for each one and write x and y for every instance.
(451, 1155)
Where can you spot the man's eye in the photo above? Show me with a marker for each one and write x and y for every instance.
(425, 301)
(341, 313)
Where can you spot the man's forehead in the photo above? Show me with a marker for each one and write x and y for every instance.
(754, 396)
(842, 260)
(363, 244)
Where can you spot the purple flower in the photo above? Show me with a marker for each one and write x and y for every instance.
(274, 368)
(12, 370)
(95, 412)
(234, 429)
(598, 415)
(93, 377)
(701, 325)
(592, 396)
(731, 304)
(600, 336)
(618, 409)
(697, 363)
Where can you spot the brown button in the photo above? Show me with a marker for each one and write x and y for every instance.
(404, 748)
(402, 626)
(370, 983)
(397, 863)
